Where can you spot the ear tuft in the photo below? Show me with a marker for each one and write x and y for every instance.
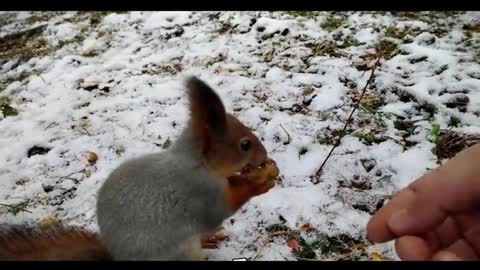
(207, 111)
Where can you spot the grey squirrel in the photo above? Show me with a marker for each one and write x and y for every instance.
(166, 205)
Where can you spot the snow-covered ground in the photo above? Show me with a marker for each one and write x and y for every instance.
(111, 84)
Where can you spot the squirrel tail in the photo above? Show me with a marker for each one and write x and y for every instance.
(51, 244)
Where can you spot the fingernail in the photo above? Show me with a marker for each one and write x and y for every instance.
(446, 256)
(400, 222)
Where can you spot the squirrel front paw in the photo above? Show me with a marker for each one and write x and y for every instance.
(264, 186)
(211, 240)
(251, 182)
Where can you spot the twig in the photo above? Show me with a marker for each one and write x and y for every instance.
(68, 176)
(309, 260)
(370, 79)
(51, 124)
(15, 207)
(267, 240)
(289, 138)
(86, 131)
(40, 76)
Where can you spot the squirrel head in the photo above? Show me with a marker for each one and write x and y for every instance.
(226, 144)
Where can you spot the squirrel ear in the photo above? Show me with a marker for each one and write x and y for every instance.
(207, 111)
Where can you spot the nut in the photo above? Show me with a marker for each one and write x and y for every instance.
(91, 158)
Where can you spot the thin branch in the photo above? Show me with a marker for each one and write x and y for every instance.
(369, 81)
(15, 207)
(289, 138)
(51, 124)
(309, 260)
(40, 76)
(86, 131)
(68, 176)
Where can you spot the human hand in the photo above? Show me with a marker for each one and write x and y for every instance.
(437, 217)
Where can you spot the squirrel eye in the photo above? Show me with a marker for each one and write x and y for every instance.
(245, 145)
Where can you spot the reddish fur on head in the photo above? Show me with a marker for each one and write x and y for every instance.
(53, 244)
(227, 145)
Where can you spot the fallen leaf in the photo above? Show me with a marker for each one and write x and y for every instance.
(308, 90)
(306, 227)
(50, 222)
(376, 257)
(293, 244)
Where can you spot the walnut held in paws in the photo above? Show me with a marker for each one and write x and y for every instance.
(268, 171)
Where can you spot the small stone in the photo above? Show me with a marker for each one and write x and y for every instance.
(260, 29)
(368, 164)
(426, 39)
(38, 150)
(167, 143)
(47, 189)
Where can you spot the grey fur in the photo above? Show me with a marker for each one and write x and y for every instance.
(155, 207)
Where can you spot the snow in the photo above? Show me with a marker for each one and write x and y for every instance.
(165, 19)
(411, 164)
(366, 35)
(127, 99)
(62, 32)
(269, 26)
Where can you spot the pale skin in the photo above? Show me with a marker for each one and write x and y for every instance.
(437, 217)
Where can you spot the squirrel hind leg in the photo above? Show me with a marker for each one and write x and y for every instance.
(211, 240)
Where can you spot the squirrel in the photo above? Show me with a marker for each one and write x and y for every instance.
(166, 205)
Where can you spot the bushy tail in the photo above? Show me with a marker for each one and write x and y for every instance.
(51, 244)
